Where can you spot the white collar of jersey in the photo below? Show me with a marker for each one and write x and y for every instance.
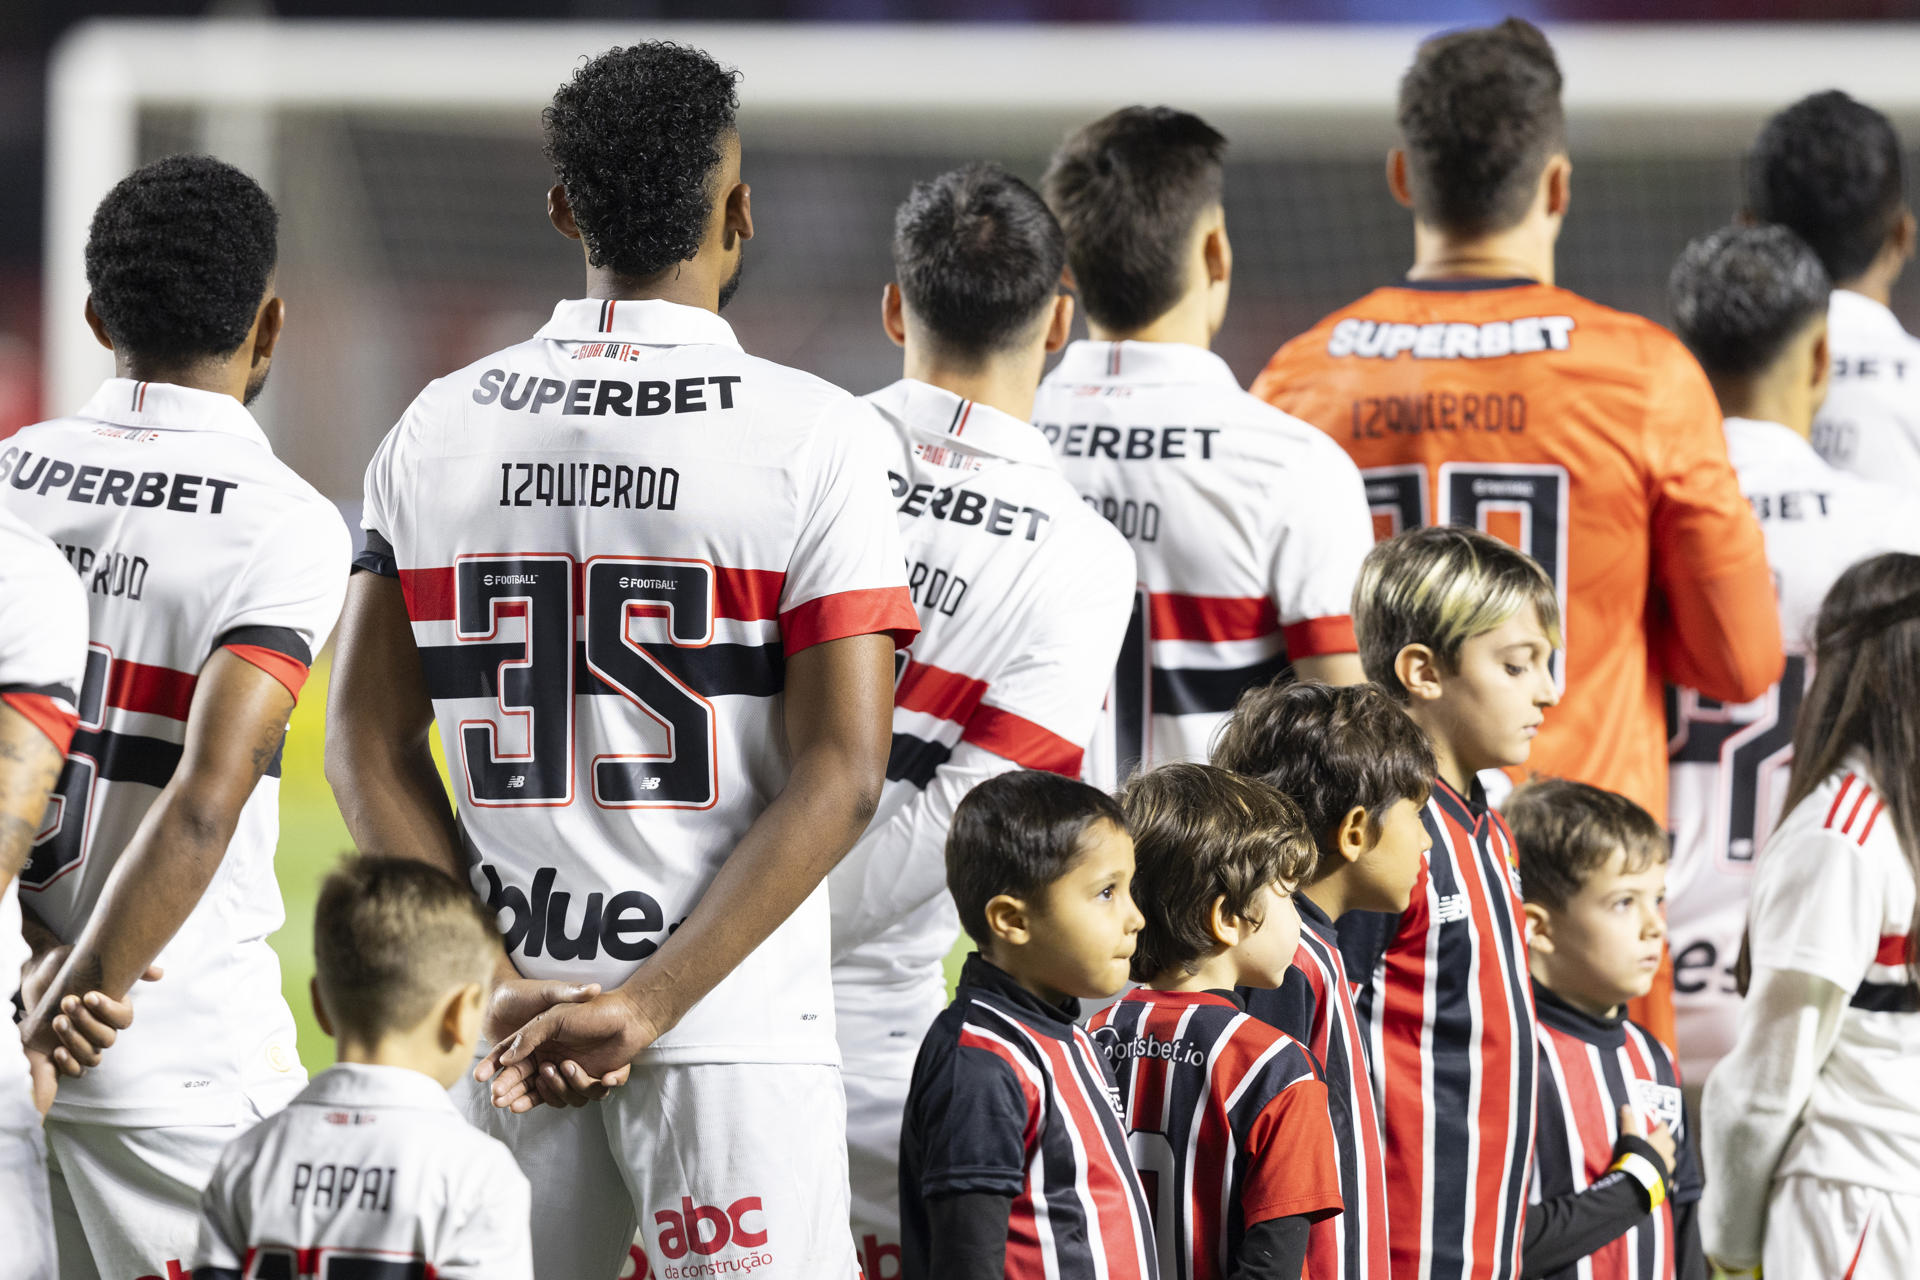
(646, 321)
(1775, 437)
(164, 406)
(1859, 309)
(361, 1084)
(938, 415)
(1141, 362)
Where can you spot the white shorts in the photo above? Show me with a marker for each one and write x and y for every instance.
(687, 1172)
(880, 1030)
(1821, 1229)
(126, 1201)
(26, 1214)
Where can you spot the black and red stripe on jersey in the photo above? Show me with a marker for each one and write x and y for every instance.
(1010, 1098)
(1315, 1006)
(1227, 1118)
(1444, 1001)
(1590, 1067)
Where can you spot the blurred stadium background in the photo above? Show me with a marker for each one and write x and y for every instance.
(406, 160)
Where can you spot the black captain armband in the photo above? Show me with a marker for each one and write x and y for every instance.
(377, 557)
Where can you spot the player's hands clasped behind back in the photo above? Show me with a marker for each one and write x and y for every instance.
(538, 1054)
(69, 1040)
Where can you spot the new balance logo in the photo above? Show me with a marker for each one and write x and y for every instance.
(1450, 908)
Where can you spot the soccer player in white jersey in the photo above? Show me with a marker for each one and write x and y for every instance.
(1249, 525)
(43, 649)
(1830, 169)
(651, 588)
(1023, 595)
(1751, 304)
(372, 1170)
(213, 574)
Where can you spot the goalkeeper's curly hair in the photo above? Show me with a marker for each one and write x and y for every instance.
(634, 138)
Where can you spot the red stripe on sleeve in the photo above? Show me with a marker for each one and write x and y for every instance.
(869, 611)
(289, 671)
(429, 594)
(1312, 637)
(1020, 740)
(1892, 949)
(936, 692)
(154, 691)
(1211, 618)
(750, 595)
(46, 715)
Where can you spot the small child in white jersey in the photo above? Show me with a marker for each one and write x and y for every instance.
(372, 1161)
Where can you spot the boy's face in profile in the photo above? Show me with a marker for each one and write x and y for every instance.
(1603, 947)
(1082, 928)
(1265, 955)
(1390, 868)
(1492, 704)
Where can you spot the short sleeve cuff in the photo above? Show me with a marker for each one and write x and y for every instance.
(966, 1181)
(871, 611)
(48, 708)
(1317, 637)
(278, 651)
(1313, 1207)
(377, 557)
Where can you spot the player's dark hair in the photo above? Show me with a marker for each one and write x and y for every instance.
(391, 936)
(1480, 117)
(1200, 835)
(1441, 586)
(1829, 168)
(1127, 190)
(1567, 831)
(978, 257)
(1016, 834)
(635, 137)
(1865, 697)
(1740, 294)
(1329, 749)
(179, 258)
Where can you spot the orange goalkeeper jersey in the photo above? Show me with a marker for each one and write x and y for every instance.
(1587, 437)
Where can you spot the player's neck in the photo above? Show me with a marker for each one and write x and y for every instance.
(412, 1051)
(1190, 321)
(1877, 280)
(1329, 894)
(1522, 252)
(222, 377)
(1761, 402)
(680, 284)
(1453, 770)
(1006, 384)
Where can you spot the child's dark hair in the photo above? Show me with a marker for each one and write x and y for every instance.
(1016, 834)
(1566, 831)
(390, 937)
(1865, 691)
(1202, 834)
(1329, 749)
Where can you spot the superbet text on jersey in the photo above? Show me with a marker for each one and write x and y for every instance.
(1248, 525)
(1869, 424)
(189, 536)
(1023, 594)
(610, 538)
(1729, 763)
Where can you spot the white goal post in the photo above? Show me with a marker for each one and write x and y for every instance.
(1306, 85)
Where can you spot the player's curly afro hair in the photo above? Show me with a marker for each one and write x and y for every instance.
(179, 256)
(1740, 294)
(634, 137)
(1829, 168)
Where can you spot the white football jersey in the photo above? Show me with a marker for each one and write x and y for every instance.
(1833, 897)
(1729, 764)
(189, 536)
(369, 1172)
(1249, 527)
(1023, 594)
(1870, 423)
(43, 652)
(610, 538)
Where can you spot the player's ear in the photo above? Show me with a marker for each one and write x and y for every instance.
(1060, 322)
(1397, 177)
(1822, 362)
(1539, 929)
(319, 1006)
(1351, 834)
(1216, 251)
(560, 212)
(1227, 930)
(1009, 920)
(739, 207)
(99, 329)
(460, 1020)
(1903, 234)
(1557, 178)
(1418, 669)
(892, 321)
(267, 326)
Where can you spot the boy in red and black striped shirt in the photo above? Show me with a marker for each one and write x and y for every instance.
(1360, 769)
(1460, 629)
(1615, 1187)
(1013, 1161)
(1226, 1115)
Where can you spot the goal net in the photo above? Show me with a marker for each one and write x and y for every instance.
(407, 166)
